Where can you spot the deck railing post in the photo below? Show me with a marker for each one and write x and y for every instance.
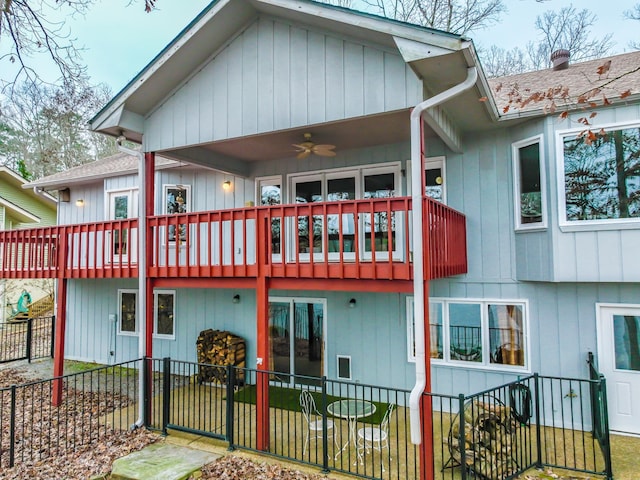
(12, 427)
(325, 435)
(29, 338)
(461, 439)
(536, 380)
(605, 444)
(231, 381)
(166, 393)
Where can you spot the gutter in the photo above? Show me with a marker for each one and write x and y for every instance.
(417, 195)
(142, 269)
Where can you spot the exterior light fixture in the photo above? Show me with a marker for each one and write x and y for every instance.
(236, 298)
(80, 202)
(226, 185)
(352, 303)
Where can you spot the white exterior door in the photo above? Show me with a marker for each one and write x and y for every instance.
(619, 362)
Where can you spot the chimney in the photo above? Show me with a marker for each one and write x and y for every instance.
(560, 59)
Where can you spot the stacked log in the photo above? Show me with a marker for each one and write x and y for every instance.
(489, 431)
(217, 349)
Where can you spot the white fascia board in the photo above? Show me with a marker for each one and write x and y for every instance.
(412, 50)
(13, 207)
(367, 21)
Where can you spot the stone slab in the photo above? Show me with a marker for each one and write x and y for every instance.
(161, 462)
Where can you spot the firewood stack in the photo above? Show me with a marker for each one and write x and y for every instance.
(489, 430)
(217, 349)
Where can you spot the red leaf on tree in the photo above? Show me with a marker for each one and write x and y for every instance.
(625, 94)
(505, 109)
(564, 114)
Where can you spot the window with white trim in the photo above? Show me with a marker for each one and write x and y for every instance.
(528, 181)
(435, 173)
(163, 317)
(599, 175)
(480, 333)
(164, 302)
(127, 312)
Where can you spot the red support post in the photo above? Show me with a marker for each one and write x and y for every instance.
(58, 348)
(262, 381)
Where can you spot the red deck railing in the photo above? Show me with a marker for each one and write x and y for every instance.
(361, 239)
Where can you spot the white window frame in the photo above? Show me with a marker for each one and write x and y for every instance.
(359, 172)
(133, 203)
(156, 293)
(485, 364)
(430, 163)
(137, 320)
(586, 225)
(271, 180)
(517, 194)
(411, 356)
(187, 202)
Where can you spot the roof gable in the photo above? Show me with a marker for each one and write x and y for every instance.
(217, 24)
(277, 75)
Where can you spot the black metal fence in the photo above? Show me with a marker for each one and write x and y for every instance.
(364, 430)
(93, 405)
(28, 339)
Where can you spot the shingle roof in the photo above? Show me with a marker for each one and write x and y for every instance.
(118, 164)
(579, 79)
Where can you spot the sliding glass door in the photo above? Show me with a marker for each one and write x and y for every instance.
(296, 331)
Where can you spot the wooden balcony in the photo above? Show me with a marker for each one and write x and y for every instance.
(362, 239)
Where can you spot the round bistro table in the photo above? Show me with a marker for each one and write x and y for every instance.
(351, 410)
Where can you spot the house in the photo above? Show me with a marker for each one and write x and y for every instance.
(523, 246)
(21, 209)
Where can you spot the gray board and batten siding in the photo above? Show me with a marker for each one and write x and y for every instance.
(594, 253)
(274, 76)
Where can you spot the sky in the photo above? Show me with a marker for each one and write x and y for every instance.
(120, 39)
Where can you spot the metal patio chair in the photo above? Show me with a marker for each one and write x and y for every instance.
(375, 438)
(313, 418)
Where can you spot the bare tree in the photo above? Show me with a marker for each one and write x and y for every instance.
(46, 127)
(568, 29)
(456, 16)
(499, 62)
(634, 14)
(27, 32)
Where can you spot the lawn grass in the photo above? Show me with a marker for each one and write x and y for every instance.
(289, 399)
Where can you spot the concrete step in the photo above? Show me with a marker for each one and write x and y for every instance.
(161, 461)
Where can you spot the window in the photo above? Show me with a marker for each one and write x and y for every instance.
(270, 193)
(377, 230)
(434, 179)
(127, 308)
(435, 324)
(599, 176)
(164, 308)
(121, 205)
(477, 333)
(177, 200)
(528, 174)
(164, 313)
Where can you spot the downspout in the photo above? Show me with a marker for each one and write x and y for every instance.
(142, 269)
(417, 195)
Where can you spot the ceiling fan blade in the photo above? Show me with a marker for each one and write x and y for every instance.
(324, 147)
(304, 154)
(324, 150)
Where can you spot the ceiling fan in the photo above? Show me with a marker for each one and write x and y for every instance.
(307, 147)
